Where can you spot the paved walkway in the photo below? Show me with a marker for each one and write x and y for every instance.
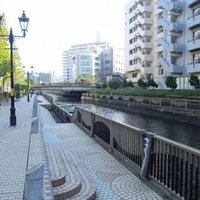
(21, 148)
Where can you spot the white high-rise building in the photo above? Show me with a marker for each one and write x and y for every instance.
(118, 60)
(162, 38)
(87, 60)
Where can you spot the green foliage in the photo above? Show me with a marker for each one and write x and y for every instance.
(127, 84)
(152, 83)
(178, 94)
(104, 85)
(142, 83)
(130, 84)
(113, 84)
(4, 51)
(170, 82)
(87, 79)
(5, 57)
(17, 87)
(98, 86)
(194, 81)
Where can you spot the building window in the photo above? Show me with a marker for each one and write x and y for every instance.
(134, 75)
(196, 11)
(85, 57)
(197, 58)
(197, 34)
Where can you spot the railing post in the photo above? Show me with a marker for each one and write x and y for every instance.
(92, 124)
(148, 145)
(185, 104)
(111, 135)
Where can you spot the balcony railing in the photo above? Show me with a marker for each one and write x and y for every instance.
(194, 44)
(193, 21)
(194, 67)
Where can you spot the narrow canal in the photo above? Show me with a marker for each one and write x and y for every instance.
(178, 131)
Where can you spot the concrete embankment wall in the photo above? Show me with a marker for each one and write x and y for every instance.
(174, 109)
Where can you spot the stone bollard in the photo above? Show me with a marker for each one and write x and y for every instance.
(34, 183)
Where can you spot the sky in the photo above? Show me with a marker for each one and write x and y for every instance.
(56, 25)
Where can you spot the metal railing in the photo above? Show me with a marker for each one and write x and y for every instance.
(171, 164)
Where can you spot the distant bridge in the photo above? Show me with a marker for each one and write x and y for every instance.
(66, 89)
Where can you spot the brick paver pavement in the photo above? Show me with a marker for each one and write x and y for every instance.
(20, 149)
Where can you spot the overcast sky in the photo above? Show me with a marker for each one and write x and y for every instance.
(55, 25)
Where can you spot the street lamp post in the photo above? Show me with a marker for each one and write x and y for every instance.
(23, 20)
(28, 98)
(28, 84)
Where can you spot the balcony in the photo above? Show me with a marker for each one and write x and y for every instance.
(146, 45)
(144, 69)
(194, 44)
(144, 20)
(176, 6)
(192, 3)
(143, 57)
(193, 22)
(193, 68)
(140, 31)
(176, 47)
(177, 27)
(143, 8)
(146, 57)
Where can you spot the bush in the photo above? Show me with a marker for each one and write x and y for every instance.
(170, 82)
(152, 83)
(142, 83)
(194, 81)
(104, 85)
(184, 94)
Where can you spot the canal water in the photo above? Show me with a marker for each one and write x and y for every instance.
(178, 131)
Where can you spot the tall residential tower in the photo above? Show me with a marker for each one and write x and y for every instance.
(162, 38)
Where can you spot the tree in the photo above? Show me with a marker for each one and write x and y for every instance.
(98, 86)
(113, 84)
(125, 83)
(130, 84)
(170, 82)
(5, 58)
(194, 81)
(152, 83)
(104, 85)
(142, 83)
(4, 52)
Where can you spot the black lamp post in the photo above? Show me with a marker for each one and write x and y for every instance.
(23, 20)
(28, 83)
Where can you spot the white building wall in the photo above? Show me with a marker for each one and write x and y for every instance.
(73, 64)
(168, 35)
(118, 60)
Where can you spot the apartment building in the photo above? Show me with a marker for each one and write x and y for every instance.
(118, 60)
(88, 60)
(162, 38)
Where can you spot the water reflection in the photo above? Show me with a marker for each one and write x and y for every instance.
(177, 131)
